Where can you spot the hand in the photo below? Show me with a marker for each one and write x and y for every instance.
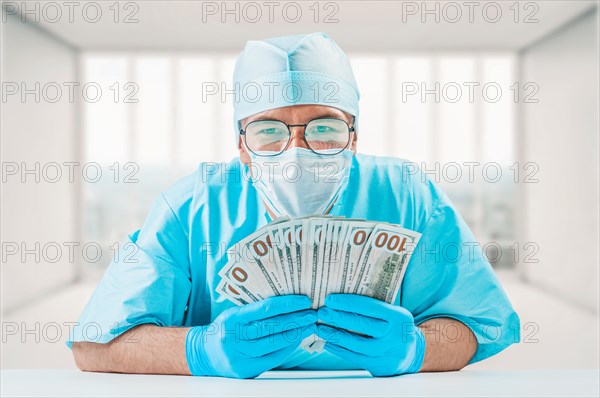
(245, 341)
(389, 342)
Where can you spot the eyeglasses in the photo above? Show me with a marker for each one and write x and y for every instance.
(324, 136)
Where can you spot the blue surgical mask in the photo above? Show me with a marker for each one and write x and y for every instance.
(299, 182)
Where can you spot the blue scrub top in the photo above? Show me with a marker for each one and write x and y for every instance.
(171, 279)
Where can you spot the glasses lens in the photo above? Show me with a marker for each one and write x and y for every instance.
(267, 135)
(325, 135)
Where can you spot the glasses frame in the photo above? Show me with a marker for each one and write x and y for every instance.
(350, 131)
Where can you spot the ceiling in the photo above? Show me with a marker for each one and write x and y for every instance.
(360, 26)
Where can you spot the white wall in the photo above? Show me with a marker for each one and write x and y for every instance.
(560, 133)
(33, 132)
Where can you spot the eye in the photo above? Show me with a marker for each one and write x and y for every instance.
(322, 129)
(270, 131)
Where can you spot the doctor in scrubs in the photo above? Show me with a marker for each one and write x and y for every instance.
(296, 102)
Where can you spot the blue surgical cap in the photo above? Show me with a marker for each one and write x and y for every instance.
(293, 70)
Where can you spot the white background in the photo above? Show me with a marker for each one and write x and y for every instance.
(169, 52)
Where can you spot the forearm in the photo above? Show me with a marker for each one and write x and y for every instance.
(147, 349)
(450, 345)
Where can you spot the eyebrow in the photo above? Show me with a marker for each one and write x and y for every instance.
(318, 115)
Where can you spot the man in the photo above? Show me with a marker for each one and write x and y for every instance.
(160, 313)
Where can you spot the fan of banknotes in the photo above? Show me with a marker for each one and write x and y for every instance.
(317, 256)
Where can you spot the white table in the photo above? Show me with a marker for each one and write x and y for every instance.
(66, 383)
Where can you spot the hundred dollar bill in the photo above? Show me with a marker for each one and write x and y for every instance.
(313, 272)
(338, 282)
(260, 249)
(240, 276)
(329, 279)
(383, 262)
(323, 261)
(304, 283)
(236, 296)
(355, 240)
(336, 258)
(283, 262)
(303, 230)
(296, 248)
(243, 255)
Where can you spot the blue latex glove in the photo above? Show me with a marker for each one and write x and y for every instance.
(389, 342)
(243, 342)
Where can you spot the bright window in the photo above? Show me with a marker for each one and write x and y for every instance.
(429, 108)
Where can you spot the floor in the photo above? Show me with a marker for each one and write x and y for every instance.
(555, 334)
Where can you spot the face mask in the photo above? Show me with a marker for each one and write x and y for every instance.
(299, 182)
